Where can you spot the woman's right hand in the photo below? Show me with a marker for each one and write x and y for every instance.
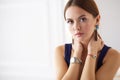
(77, 48)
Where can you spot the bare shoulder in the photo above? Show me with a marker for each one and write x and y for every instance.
(59, 50)
(60, 63)
(112, 55)
(110, 65)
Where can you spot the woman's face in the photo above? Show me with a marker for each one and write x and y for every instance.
(81, 23)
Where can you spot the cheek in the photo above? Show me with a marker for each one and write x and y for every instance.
(89, 29)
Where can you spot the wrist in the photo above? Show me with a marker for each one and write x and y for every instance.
(92, 56)
(75, 60)
(77, 54)
(92, 52)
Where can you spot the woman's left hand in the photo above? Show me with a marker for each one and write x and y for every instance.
(95, 46)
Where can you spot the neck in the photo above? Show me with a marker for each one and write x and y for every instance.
(85, 44)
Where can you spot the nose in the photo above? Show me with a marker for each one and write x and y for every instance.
(76, 26)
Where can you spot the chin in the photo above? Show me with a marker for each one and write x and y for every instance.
(80, 39)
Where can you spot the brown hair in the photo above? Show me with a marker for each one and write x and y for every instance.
(88, 5)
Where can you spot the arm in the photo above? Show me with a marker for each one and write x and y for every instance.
(63, 72)
(111, 63)
(90, 64)
(89, 69)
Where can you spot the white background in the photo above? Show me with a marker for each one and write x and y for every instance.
(31, 29)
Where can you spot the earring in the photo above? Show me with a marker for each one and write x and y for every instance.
(96, 33)
(97, 27)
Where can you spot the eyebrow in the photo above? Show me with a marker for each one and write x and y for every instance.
(78, 17)
(81, 16)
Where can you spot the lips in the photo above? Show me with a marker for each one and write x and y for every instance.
(79, 34)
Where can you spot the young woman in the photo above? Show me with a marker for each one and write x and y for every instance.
(87, 57)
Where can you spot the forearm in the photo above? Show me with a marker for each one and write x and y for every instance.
(72, 72)
(89, 69)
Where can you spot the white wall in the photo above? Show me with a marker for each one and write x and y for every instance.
(29, 33)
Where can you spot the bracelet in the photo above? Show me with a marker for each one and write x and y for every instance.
(75, 60)
(93, 56)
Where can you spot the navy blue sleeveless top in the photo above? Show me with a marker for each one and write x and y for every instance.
(67, 56)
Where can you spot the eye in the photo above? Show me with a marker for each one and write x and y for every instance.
(69, 21)
(83, 19)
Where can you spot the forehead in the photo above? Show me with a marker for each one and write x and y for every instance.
(74, 12)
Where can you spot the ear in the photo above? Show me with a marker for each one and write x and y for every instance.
(98, 20)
